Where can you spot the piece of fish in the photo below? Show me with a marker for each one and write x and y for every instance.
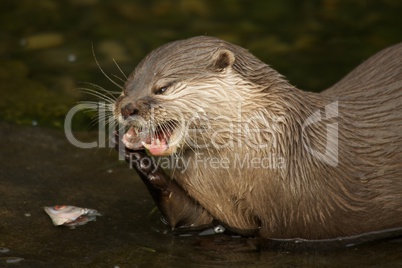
(71, 216)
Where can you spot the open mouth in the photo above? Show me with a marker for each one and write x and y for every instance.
(157, 140)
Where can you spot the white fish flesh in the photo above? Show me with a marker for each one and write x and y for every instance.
(71, 216)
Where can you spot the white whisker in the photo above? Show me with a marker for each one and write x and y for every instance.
(118, 67)
(103, 72)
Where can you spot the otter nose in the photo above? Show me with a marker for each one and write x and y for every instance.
(128, 110)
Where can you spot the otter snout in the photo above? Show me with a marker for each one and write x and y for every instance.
(128, 110)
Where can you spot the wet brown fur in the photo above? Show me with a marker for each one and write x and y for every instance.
(306, 197)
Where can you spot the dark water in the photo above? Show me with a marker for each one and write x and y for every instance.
(45, 54)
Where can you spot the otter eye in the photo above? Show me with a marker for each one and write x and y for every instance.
(161, 90)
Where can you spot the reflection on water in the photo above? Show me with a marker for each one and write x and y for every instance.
(46, 51)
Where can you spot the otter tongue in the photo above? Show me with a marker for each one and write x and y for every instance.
(157, 146)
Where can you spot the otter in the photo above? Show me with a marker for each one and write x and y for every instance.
(261, 157)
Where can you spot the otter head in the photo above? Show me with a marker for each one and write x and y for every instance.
(178, 85)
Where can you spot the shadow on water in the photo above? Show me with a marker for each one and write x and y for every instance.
(40, 168)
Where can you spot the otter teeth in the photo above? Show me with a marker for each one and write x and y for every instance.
(154, 143)
(157, 146)
(146, 145)
(129, 135)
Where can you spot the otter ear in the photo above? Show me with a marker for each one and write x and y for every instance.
(222, 60)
